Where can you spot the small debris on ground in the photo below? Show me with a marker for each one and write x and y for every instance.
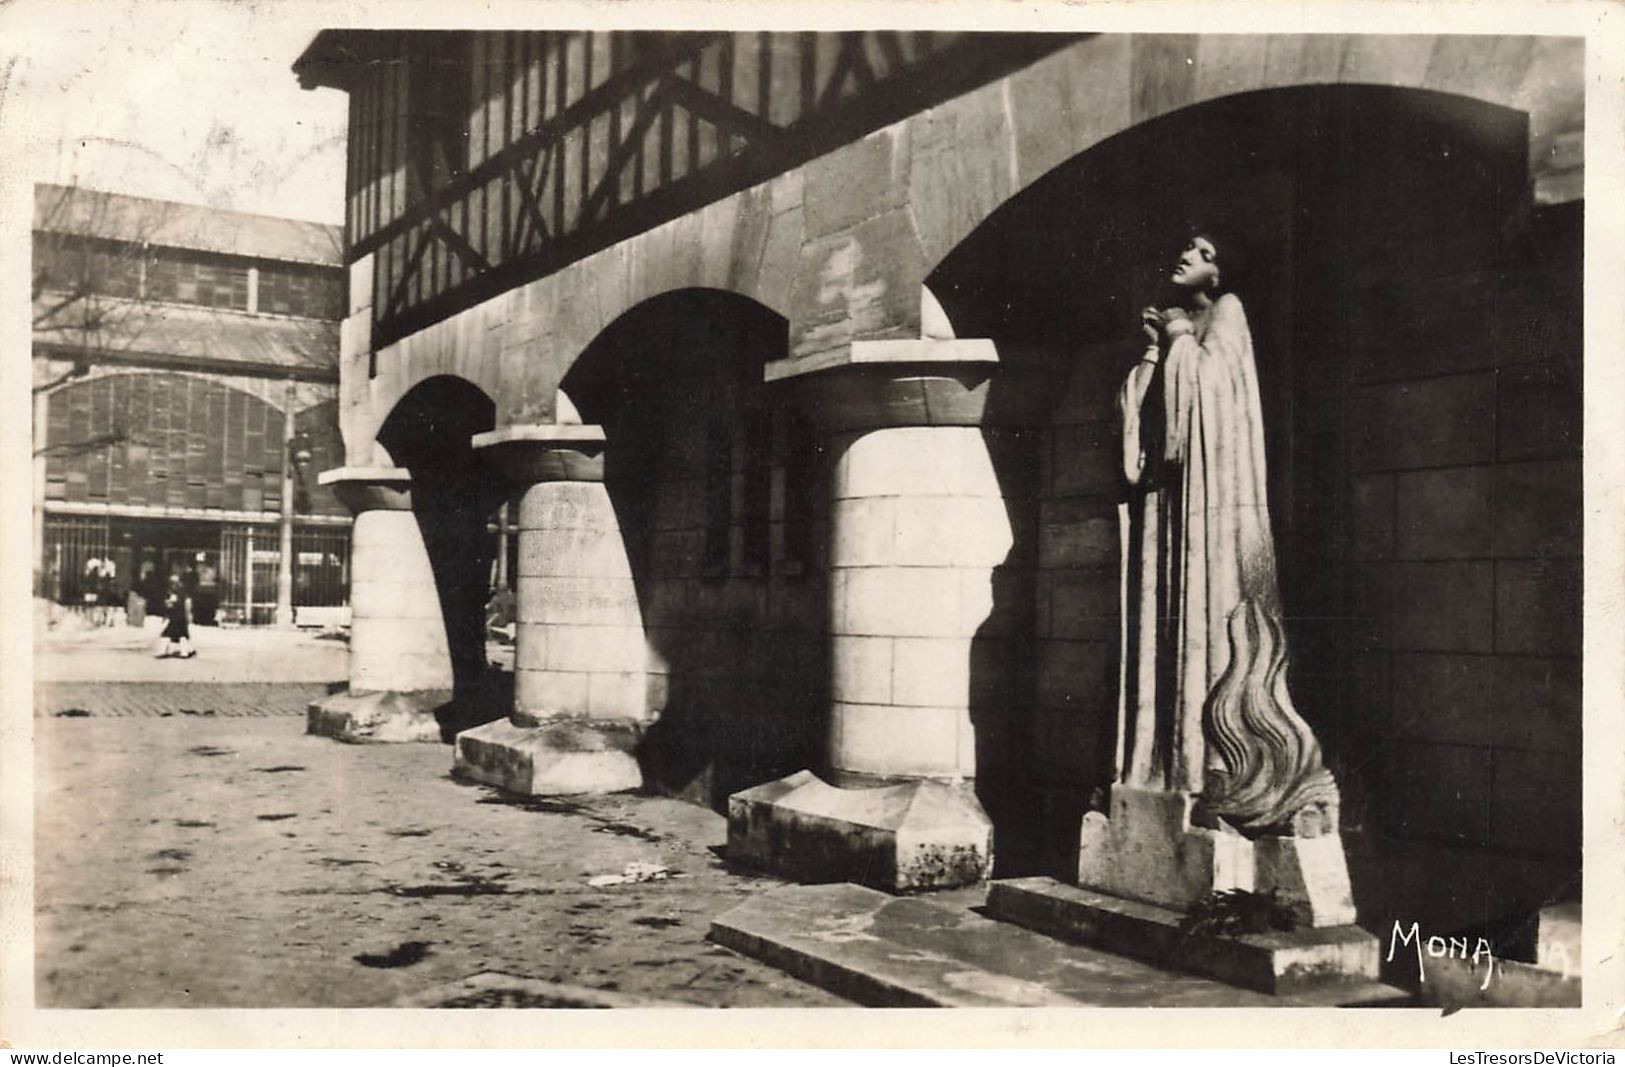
(73, 713)
(633, 872)
(402, 955)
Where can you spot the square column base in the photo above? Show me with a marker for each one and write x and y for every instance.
(1276, 962)
(379, 716)
(913, 836)
(560, 757)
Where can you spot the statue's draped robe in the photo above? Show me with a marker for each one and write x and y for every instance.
(1196, 540)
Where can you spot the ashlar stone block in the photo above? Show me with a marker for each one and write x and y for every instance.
(902, 602)
(1147, 850)
(1309, 875)
(879, 740)
(951, 531)
(931, 672)
(916, 461)
(861, 669)
(1069, 101)
(573, 647)
(864, 532)
(550, 693)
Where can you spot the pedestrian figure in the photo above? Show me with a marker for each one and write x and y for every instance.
(90, 590)
(178, 633)
(108, 598)
(208, 591)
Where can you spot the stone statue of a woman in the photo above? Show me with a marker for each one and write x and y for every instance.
(1204, 706)
(1219, 783)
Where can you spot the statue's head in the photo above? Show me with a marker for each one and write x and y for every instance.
(1209, 262)
(1197, 269)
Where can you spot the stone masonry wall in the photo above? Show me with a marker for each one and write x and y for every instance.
(736, 663)
(1466, 513)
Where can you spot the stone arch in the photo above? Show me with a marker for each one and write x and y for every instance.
(618, 350)
(969, 156)
(518, 346)
(431, 423)
(1426, 322)
(454, 495)
(694, 446)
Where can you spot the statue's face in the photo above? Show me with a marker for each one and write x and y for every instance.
(1198, 266)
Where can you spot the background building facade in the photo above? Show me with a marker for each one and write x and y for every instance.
(185, 370)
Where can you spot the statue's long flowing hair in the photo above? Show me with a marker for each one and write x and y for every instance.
(1271, 761)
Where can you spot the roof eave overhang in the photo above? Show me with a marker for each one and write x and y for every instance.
(334, 58)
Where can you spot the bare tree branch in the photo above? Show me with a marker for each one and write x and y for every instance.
(88, 291)
(94, 443)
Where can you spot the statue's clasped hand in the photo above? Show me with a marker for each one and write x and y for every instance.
(1177, 323)
(1169, 324)
(1151, 325)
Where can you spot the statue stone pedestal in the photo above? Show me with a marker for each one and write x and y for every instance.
(1149, 850)
(1146, 871)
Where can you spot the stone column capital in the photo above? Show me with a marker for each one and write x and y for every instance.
(544, 452)
(370, 488)
(870, 385)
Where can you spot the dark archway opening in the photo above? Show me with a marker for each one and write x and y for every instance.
(711, 490)
(455, 494)
(1407, 300)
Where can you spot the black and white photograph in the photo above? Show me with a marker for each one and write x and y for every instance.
(746, 506)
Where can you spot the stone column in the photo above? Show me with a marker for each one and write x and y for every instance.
(580, 687)
(400, 667)
(918, 525)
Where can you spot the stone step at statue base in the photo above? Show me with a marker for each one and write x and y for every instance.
(890, 951)
(1339, 961)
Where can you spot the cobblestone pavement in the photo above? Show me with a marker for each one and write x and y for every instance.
(168, 699)
(229, 860)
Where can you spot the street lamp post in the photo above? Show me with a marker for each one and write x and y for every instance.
(297, 457)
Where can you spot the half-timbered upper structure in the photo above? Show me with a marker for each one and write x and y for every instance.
(483, 160)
